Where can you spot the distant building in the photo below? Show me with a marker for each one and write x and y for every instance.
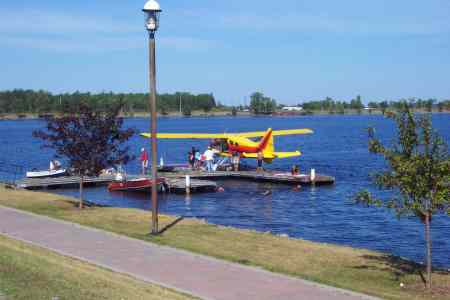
(292, 108)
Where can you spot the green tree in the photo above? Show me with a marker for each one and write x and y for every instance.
(383, 106)
(446, 104)
(42, 102)
(260, 104)
(340, 108)
(357, 104)
(163, 109)
(373, 105)
(419, 169)
(187, 112)
(429, 105)
(256, 103)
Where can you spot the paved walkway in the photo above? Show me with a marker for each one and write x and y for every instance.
(198, 275)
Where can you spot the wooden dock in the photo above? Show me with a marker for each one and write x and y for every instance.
(178, 185)
(200, 181)
(266, 176)
(174, 184)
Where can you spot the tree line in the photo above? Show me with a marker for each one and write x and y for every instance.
(20, 101)
(260, 104)
(330, 105)
(428, 105)
(335, 106)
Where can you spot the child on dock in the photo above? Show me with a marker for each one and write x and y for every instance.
(144, 160)
(260, 158)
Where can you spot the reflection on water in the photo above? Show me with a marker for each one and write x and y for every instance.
(338, 148)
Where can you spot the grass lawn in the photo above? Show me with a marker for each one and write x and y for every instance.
(355, 269)
(29, 272)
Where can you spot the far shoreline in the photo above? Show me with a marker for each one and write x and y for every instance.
(214, 114)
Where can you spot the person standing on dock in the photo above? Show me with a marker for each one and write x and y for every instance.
(260, 158)
(192, 158)
(209, 158)
(144, 160)
(197, 161)
(55, 165)
(235, 156)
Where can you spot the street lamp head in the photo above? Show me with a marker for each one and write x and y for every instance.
(151, 10)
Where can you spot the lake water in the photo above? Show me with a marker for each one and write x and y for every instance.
(324, 214)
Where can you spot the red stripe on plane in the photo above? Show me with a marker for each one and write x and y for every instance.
(263, 144)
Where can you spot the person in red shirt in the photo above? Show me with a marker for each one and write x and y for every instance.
(144, 160)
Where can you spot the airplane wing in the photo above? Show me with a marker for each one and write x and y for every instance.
(255, 155)
(274, 133)
(287, 154)
(273, 155)
(187, 135)
(226, 135)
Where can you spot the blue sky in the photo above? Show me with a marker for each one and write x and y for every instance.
(290, 50)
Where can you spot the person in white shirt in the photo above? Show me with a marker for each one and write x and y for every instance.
(209, 158)
(55, 165)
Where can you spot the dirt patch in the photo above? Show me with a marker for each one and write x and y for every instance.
(438, 290)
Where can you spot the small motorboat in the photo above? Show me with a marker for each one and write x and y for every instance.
(46, 173)
(140, 184)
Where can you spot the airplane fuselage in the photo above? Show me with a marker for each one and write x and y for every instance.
(242, 145)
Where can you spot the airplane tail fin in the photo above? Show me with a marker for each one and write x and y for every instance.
(266, 144)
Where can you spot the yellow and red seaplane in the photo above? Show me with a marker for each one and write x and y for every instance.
(242, 143)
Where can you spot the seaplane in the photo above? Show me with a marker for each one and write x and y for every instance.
(242, 143)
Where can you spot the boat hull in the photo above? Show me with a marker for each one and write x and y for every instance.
(134, 185)
(43, 174)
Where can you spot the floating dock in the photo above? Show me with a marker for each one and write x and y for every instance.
(174, 184)
(178, 186)
(200, 181)
(265, 176)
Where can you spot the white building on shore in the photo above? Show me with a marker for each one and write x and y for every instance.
(292, 108)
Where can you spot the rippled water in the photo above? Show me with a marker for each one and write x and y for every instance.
(337, 148)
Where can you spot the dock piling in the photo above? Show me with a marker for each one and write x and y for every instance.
(313, 176)
(188, 184)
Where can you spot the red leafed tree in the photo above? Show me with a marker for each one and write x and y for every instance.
(90, 140)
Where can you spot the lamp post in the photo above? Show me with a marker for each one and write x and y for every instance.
(152, 10)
